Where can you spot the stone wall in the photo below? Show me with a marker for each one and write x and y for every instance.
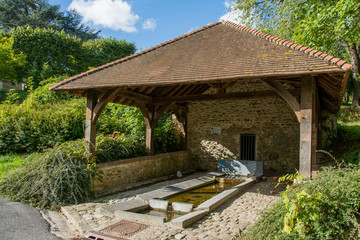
(270, 118)
(140, 169)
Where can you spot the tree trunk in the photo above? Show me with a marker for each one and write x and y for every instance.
(353, 51)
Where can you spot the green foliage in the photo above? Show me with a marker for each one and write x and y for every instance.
(58, 53)
(25, 129)
(12, 97)
(21, 95)
(42, 95)
(9, 60)
(347, 146)
(10, 162)
(329, 26)
(129, 122)
(167, 139)
(60, 176)
(302, 211)
(41, 14)
(118, 146)
(103, 50)
(328, 207)
(46, 118)
(290, 178)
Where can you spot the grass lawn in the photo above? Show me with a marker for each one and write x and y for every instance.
(10, 162)
(348, 133)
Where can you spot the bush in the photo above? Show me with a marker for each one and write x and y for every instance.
(118, 146)
(60, 176)
(25, 129)
(326, 208)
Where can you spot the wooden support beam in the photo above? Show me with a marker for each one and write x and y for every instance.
(90, 126)
(137, 96)
(104, 100)
(286, 95)
(307, 144)
(224, 96)
(152, 114)
(93, 111)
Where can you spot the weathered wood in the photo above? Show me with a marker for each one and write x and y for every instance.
(211, 97)
(104, 100)
(137, 96)
(93, 111)
(307, 146)
(174, 90)
(152, 114)
(286, 95)
(90, 126)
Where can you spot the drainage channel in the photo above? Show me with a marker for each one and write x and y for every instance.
(119, 231)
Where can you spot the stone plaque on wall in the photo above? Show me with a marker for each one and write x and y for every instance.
(215, 130)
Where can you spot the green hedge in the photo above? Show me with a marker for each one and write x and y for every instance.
(28, 129)
(46, 118)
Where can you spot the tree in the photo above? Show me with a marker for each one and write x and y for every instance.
(39, 13)
(9, 61)
(50, 53)
(107, 50)
(331, 26)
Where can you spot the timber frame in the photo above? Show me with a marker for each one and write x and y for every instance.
(164, 79)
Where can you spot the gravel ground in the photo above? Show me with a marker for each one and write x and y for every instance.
(226, 222)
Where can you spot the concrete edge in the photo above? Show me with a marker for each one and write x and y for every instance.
(164, 192)
(147, 219)
(222, 197)
(75, 218)
(187, 220)
(59, 226)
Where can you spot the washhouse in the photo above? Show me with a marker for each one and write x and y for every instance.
(235, 93)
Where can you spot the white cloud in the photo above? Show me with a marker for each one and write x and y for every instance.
(113, 14)
(233, 15)
(149, 24)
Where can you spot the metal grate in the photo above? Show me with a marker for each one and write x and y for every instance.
(119, 231)
(247, 146)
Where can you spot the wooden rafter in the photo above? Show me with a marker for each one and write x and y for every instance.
(210, 97)
(286, 95)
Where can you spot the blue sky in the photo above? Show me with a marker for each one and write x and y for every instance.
(147, 22)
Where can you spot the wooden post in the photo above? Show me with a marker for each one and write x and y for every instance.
(181, 116)
(93, 111)
(90, 125)
(307, 143)
(152, 115)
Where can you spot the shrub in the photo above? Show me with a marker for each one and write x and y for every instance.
(326, 208)
(60, 176)
(24, 129)
(118, 146)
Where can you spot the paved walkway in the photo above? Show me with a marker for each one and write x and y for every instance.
(19, 221)
(226, 222)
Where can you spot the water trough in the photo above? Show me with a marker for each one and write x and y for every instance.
(182, 204)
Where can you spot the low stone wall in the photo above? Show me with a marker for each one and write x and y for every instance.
(140, 169)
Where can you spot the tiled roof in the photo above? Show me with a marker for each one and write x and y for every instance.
(219, 51)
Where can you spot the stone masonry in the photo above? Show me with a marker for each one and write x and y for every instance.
(116, 174)
(270, 119)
